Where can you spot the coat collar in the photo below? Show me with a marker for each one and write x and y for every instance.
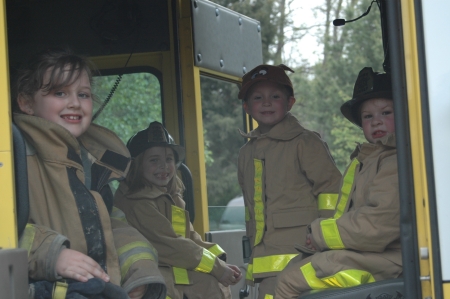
(54, 143)
(287, 129)
(366, 149)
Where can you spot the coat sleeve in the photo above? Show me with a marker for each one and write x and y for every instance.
(375, 225)
(318, 166)
(173, 250)
(138, 260)
(44, 246)
(212, 247)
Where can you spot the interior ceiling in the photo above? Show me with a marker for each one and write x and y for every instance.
(89, 27)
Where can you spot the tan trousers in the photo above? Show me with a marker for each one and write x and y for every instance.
(267, 287)
(204, 286)
(291, 282)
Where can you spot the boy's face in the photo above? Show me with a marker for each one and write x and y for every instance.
(267, 102)
(70, 106)
(159, 165)
(377, 118)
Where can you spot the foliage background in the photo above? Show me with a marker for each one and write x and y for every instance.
(320, 87)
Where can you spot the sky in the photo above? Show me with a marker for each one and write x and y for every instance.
(307, 48)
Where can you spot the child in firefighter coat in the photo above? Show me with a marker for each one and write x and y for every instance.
(71, 232)
(151, 198)
(361, 242)
(287, 175)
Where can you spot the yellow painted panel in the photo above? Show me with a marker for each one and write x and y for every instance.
(417, 143)
(446, 287)
(137, 59)
(8, 227)
(8, 230)
(193, 125)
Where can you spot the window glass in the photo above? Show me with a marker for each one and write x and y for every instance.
(222, 117)
(135, 103)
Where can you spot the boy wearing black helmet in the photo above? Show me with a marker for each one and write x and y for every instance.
(287, 175)
(361, 242)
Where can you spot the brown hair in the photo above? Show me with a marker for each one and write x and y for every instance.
(286, 90)
(66, 67)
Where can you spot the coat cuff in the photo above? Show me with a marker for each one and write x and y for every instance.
(58, 244)
(317, 236)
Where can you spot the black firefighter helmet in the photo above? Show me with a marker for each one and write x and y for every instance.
(368, 85)
(154, 135)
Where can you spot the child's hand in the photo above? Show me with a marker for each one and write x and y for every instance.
(76, 265)
(310, 242)
(231, 276)
(138, 293)
(237, 273)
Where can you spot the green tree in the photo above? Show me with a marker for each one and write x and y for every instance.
(135, 103)
(323, 88)
(222, 117)
(222, 111)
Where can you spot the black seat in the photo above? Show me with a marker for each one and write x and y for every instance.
(188, 195)
(392, 288)
(21, 179)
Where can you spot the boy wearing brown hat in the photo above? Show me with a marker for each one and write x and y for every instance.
(151, 198)
(287, 175)
(361, 242)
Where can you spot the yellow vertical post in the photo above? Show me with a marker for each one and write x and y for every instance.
(417, 144)
(8, 227)
(193, 123)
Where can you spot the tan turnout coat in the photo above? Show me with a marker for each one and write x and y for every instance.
(368, 228)
(371, 221)
(150, 211)
(283, 171)
(64, 213)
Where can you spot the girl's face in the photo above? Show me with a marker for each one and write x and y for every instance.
(159, 165)
(70, 106)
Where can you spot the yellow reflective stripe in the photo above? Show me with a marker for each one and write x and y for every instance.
(311, 279)
(271, 263)
(134, 245)
(179, 221)
(331, 234)
(207, 262)
(247, 214)
(267, 296)
(349, 278)
(346, 188)
(59, 290)
(342, 279)
(26, 241)
(118, 214)
(167, 297)
(327, 201)
(259, 204)
(133, 252)
(249, 274)
(216, 250)
(132, 259)
(181, 275)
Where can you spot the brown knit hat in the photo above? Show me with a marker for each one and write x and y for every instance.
(265, 72)
(154, 135)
